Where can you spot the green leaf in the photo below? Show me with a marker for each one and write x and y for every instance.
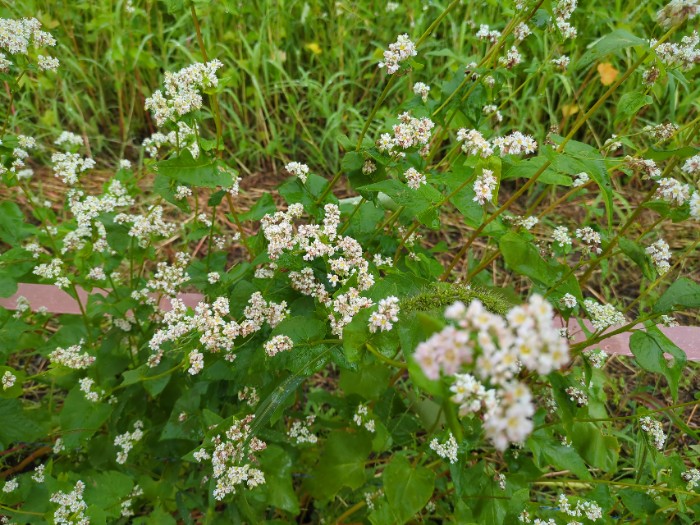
(352, 161)
(547, 452)
(198, 172)
(580, 157)
(370, 381)
(18, 426)
(342, 464)
(597, 449)
(630, 103)
(263, 206)
(525, 169)
(649, 348)
(635, 252)
(80, 418)
(301, 329)
(463, 198)
(279, 491)
(106, 490)
(420, 204)
(615, 41)
(524, 258)
(408, 489)
(683, 293)
(13, 225)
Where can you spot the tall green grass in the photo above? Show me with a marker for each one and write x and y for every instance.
(298, 73)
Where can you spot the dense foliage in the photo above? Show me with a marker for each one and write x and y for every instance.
(408, 327)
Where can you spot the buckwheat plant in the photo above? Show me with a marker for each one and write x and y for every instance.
(407, 320)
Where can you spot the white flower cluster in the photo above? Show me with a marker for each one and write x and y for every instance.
(561, 236)
(521, 32)
(52, 270)
(399, 51)
(447, 450)
(126, 441)
(692, 165)
(67, 166)
(484, 185)
(10, 485)
(660, 255)
(596, 358)
(414, 179)
(249, 394)
(581, 179)
(233, 457)
(577, 395)
(196, 360)
(421, 89)
(562, 12)
(562, 62)
(87, 211)
(183, 137)
(86, 385)
(39, 475)
(511, 59)
(362, 418)
(655, 430)
(299, 170)
(676, 11)
(300, 431)
(279, 343)
(516, 143)
(568, 301)
(216, 333)
(386, 314)
(67, 138)
(484, 33)
(692, 476)
(16, 37)
(474, 143)
(672, 191)
(143, 227)
(695, 205)
(497, 348)
(8, 380)
(71, 357)
(182, 91)
(408, 133)
(343, 257)
(491, 110)
(71, 506)
(182, 192)
(590, 238)
(169, 277)
(662, 132)
(603, 315)
(589, 509)
(684, 55)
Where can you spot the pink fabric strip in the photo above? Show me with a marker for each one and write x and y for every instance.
(56, 301)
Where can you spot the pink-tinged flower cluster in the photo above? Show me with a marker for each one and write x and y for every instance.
(408, 133)
(399, 51)
(496, 349)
